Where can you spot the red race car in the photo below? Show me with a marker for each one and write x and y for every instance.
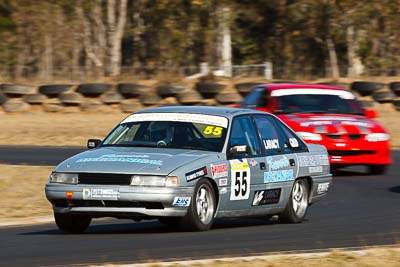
(330, 116)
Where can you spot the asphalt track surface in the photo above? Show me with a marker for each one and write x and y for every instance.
(360, 210)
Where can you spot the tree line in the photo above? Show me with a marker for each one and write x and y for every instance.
(319, 38)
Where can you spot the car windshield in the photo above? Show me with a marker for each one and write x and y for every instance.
(317, 103)
(187, 134)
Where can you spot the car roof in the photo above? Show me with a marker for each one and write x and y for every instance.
(278, 86)
(208, 110)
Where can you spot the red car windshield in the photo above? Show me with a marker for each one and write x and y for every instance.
(316, 103)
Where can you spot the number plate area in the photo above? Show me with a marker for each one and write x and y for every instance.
(100, 194)
(240, 179)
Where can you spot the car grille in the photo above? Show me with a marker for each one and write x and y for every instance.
(62, 203)
(339, 136)
(350, 152)
(104, 178)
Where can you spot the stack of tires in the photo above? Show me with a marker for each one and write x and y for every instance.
(375, 92)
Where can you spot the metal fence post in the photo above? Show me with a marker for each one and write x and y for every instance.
(268, 70)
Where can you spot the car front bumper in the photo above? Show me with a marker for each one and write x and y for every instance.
(128, 201)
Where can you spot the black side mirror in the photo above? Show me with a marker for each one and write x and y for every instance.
(238, 150)
(93, 143)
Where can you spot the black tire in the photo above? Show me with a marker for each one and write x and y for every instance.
(132, 89)
(15, 105)
(367, 104)
(111, 98)
(53, 90)
(17, 89)
(3, 98)
(292, 214)
(395, 87)
(93, 89)
(54, 105)
(208, 89)
(129, 106)
(189, 98)
(73, 99)
(170, 90)
(150, 99)
(72, 223)
(377, 169)
(396, 104)
(35, 99)
(366, 88)
(383, 96)
(245, 88)
(229, 98)
(192, 221)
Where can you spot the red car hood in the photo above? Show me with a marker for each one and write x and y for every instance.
(331, 123)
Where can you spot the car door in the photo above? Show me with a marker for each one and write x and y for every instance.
(280, 164)
(243, 174)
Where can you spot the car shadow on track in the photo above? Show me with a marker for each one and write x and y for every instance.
(395, 189)
(154, 227)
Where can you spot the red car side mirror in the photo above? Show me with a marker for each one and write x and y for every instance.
(371, 114)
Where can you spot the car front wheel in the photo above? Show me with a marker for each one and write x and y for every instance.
(297, 205)
(72, 223)
(200, 215)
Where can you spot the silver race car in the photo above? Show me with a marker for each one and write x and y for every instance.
(187, 166)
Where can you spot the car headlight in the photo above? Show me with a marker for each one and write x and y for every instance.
(376, 137)
(160, 181)
(63, 178)
(309, 136)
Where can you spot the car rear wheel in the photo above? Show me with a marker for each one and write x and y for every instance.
(200, 215)
(377, 169)
(297, 205)
(72, 223)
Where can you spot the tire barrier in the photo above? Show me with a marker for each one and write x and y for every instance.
(366, 88)
(208, 89)
(169, 90)
(93, 89)
(395, 87)
(53, 90)
(17, 90)
(383, 96)
(71, 99)
(35, 99)
(130, 97)
(3, 98)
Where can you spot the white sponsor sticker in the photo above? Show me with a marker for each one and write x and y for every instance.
(313, 160)
(271, 144)
(181, 117)
(100, 194)
(322, 188)
(223, 190)
(293, 142)
(181, 201)
(315, 169)
(223, 182)
(313, 91)
(220, 170)
(240, 179)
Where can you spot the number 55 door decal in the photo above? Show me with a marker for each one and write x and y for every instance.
(240, 179)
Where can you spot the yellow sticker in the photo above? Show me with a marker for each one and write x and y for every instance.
(217, 131)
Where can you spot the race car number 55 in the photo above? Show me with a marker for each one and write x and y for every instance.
(240, 180)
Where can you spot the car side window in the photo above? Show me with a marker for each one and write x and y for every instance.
(270, 137)
(244, 133)
(256, 99)
(292, 143)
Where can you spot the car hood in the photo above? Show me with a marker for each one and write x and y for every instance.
(132, 160)
(332, 123)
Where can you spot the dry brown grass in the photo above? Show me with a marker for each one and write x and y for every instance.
(22, 191)
(73, 129)
(388, 257)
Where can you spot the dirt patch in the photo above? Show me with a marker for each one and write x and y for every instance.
(22, 191)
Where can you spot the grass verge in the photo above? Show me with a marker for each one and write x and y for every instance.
(22, 191)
